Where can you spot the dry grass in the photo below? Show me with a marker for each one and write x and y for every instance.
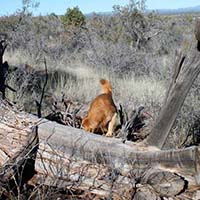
(80, 82)
(139, 91)
(127, 90)
(18, 57)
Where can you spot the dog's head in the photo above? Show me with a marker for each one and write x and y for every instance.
(106, 87)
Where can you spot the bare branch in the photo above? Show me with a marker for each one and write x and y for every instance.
(39, 104)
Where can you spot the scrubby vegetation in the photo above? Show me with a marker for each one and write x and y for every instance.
(57, 61)
(133, 49)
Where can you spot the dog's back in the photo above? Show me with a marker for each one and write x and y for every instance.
(102, 110)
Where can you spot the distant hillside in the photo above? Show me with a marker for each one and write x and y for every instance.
(195, 9)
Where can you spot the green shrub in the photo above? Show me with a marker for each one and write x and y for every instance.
(73, 17)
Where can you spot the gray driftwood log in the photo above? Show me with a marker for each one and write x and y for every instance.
(129, 164)
(18, 149)
(72, 159)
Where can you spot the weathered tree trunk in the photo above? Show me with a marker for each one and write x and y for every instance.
(111, 151)
(186, 70)
(3, 70)
(75, 160)
(17, 158)
(39, 103)
(197, 33)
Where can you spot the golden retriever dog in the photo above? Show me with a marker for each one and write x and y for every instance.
(102, 114)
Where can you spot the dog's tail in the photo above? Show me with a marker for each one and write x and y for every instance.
(106, 87)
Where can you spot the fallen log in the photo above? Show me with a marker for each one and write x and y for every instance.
(106, 166)
(18, 149)
(72, 159)
(112, 151)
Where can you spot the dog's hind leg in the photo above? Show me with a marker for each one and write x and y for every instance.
(111, 126)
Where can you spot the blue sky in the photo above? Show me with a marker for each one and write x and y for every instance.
(88, 6)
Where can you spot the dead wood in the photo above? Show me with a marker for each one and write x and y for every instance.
(112, 151)
(105, 175)
(164, 183)
(197, 33)
(186, 70)
(132, 126)
(73, 160)
(62, 113)
(145, 193)
(39, 103)
(17, 158)
(3, 70)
